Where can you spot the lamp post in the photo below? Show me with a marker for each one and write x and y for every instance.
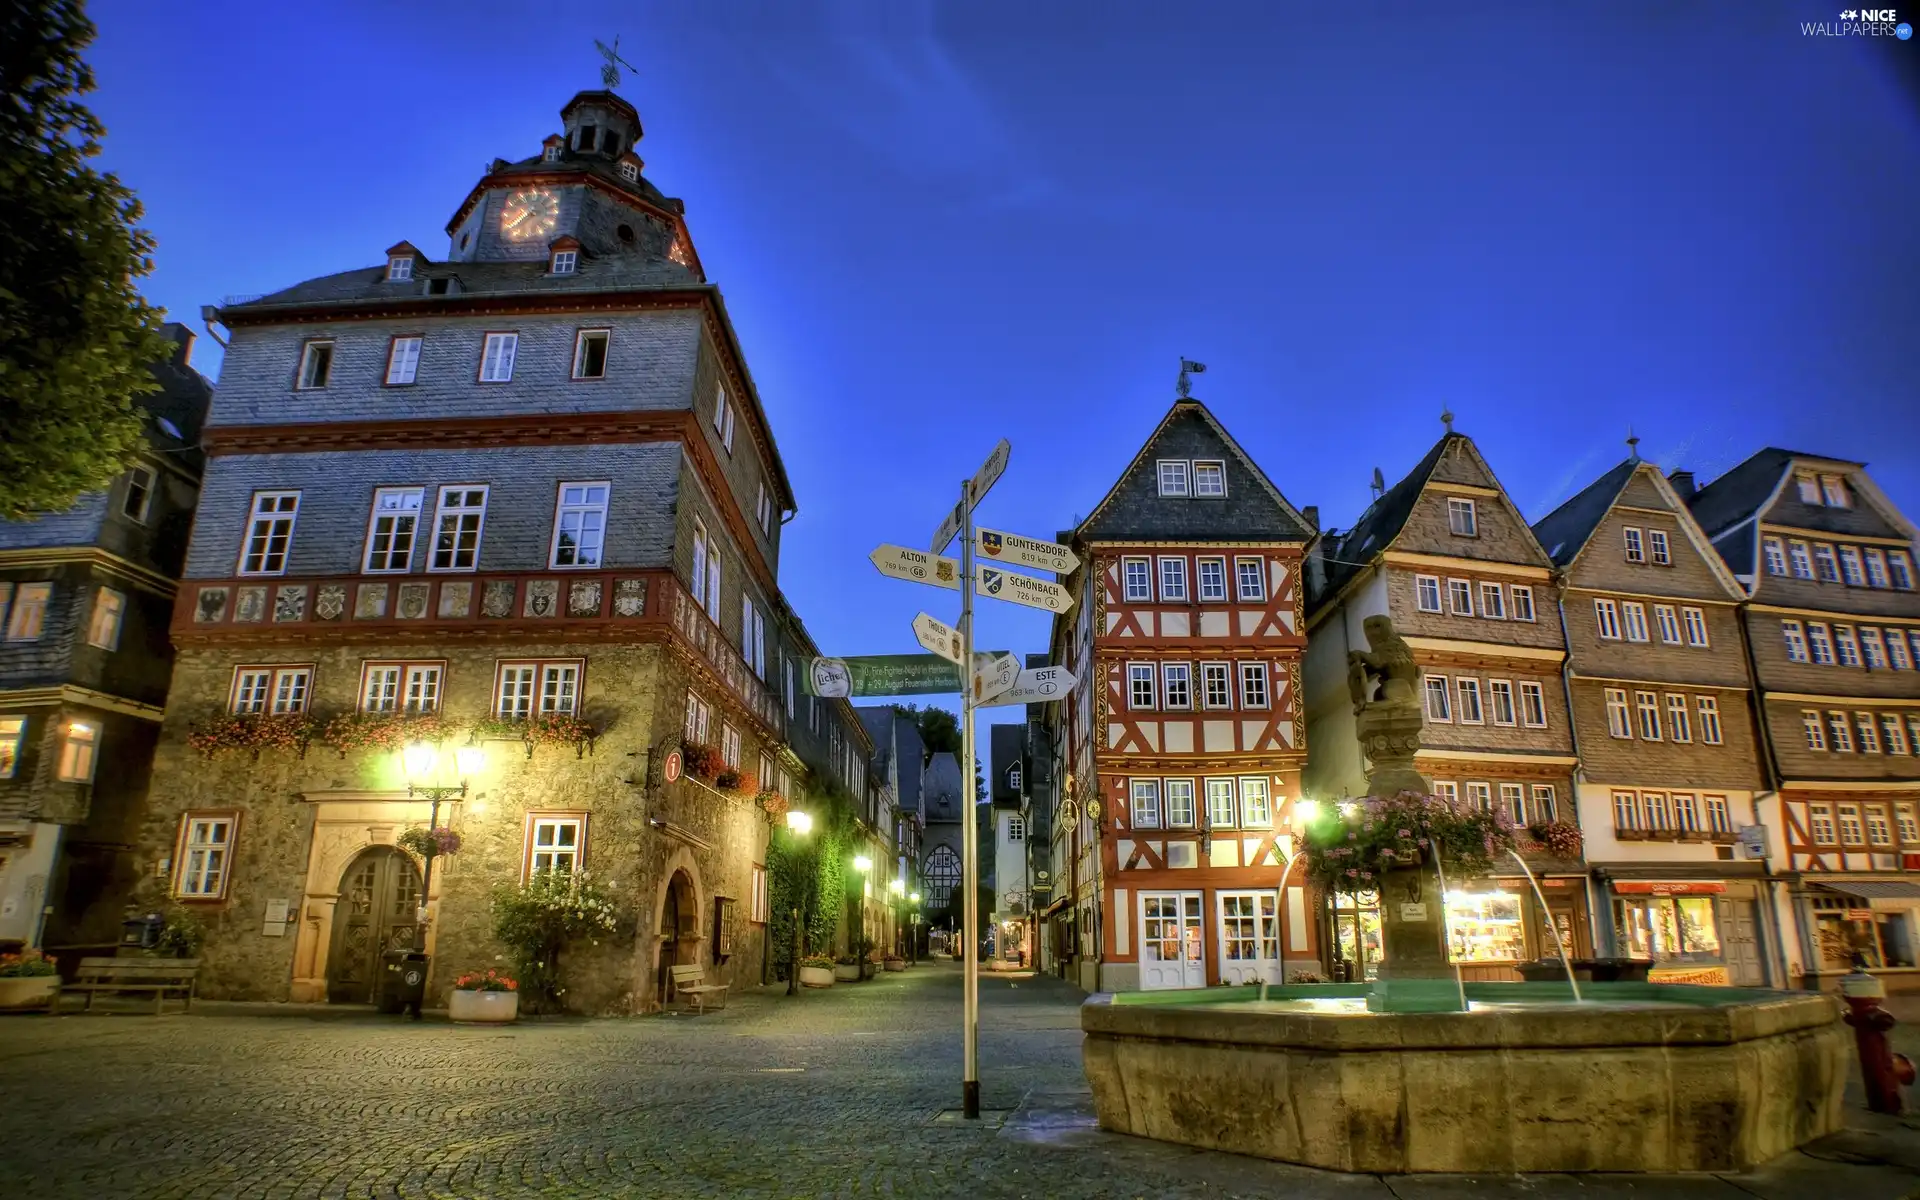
(799, 824)
(861, 865)
(913, 928)
(419, 761)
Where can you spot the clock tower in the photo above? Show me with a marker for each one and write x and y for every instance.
(585, 184)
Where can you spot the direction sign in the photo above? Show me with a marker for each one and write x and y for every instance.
(989, 472)
(898, 562)
(939, 637)
(1021, 589)
(1037, 685)
(993, 675)
(948, 530)
(1024, 552)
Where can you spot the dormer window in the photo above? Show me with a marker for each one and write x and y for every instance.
(399, 268)
(551, 154)
(1462, 520)
(1173, 477)
(587, 135)
(610, 142)
(1809, 488)
(564, 261)
(1834, 489)
(630, 172)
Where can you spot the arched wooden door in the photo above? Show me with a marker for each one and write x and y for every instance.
(679, 931)
(377, 912)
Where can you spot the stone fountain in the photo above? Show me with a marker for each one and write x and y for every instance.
(1417, 1072)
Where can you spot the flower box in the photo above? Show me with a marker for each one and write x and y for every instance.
(846, 972)
(483, 1008)
(816, 977)
(23, 992)
(896, 964)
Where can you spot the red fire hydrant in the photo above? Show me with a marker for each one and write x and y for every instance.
(1881, 1069)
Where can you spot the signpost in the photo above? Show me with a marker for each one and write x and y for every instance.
(1036, 685)
(914, 566)
(941, 638)
(1022, 589)
(1025, 552)
(993, 675)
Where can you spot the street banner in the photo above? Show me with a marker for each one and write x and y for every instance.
(887, 675)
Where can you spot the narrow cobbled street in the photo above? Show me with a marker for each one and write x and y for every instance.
(844, 1092)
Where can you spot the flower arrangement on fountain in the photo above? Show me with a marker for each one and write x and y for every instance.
(1561, 839)
(428, 843)
(1351, 845)
(251, 731)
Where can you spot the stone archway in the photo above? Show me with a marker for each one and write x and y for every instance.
(679, 931)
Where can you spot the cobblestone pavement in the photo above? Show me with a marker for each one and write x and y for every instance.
(835, 1093)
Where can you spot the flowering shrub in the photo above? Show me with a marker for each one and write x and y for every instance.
(428, 843)
(775, 804)
(1350, 847)
(252, 732)
(27, 963)
(1305, 977)
(489, 980)
(745, 783)
(1559, 838)
(384, 730)
(537, 921)
(702, 761)
(559, 729)
(182, 935)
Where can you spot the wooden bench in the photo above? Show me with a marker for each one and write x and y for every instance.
(157, 975)
(702, 996)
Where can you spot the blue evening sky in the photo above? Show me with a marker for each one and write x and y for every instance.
(937, 225)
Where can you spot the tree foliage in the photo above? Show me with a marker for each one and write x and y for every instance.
(76, 339)
(939, 729)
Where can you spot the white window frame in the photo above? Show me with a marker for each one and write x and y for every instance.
(400, 508)
(1900, 569)
(1522, 596)
(1457, 589)
(402, 686)
(584, 508)
(1646, 709)
(272, 529)
(204, 861)
(1533, 697)
(1840, 732)
(399, 268)
(1493, 601)
(1633, 621)
(1201, 470)
(1500, 695)
(79, 752)
(1139, 676)
(1899, 657)
(1795, 641)
(13, 736)
(1708, 708)
(315, 371)
(1173, 476)
(1876, 561)
(1808, 486)
(1256, 802)
(1128, 592)
(1635, 543)
(730, 750)
(109, 614)
(1679, 721)
(1179, 803)
(1659, 548)
(1258, 576)
(1217, 592)
(1845, 647)
(1469, 710)
(450, 514)
(1820, 828)
(1872, 652)
(1479, 795)
(138, 501)
(557, 848)
(1216, 680)
(1545, 804)
(1800, 558)
(563, 262)
(1695, 619)
(1826, 564)
(1619, 714)
(403, 360)
(1626, 810)
(1173, 579)
(271, 690)
(1254, 679)
(1774, 551)
(1852, 571)
(1143, 804)
(1458, 507)
(1606, 619)
(1016, 828)
(723, 416)
(1438, 687)
(699, 719)
(581, 339)
(497, 352)
(546, 685)
(1814, 725)
(1426, 594)
(1513, 798)
(1833, 489)
(1223, 806)
(1667, 618)
(1176, 679)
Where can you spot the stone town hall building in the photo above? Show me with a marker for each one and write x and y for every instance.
(528, 479)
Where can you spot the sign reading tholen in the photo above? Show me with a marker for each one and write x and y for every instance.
(938, 636)
(1025, 552)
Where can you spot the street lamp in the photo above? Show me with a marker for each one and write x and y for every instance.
(419, 762)
(799, 824)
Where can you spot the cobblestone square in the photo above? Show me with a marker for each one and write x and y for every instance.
(844, 1092)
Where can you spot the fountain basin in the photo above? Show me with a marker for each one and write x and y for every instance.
(1642, 1077)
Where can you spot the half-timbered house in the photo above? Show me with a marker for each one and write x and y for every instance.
(1832, 622)
(1184, 739)
(1446, 554)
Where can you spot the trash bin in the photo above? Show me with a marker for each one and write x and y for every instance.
(142, 933)
(403, 981)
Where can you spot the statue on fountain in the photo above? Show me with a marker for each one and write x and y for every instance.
(1384, 682)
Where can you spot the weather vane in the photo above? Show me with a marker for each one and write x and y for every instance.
(1187, 366)
(610, 70)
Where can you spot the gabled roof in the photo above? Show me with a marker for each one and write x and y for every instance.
(1008, 745)
(1253, 509)
(1761, 483)
(1382, 521)
(1736, 495)
(1564, 531)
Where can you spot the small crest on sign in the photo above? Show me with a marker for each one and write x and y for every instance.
(990, 542)
(991, 580)
(946, 571)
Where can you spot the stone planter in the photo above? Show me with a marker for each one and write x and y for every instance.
(847, 974)
(896, 964)
(22, 992)
(816, 977)
(484, 1008)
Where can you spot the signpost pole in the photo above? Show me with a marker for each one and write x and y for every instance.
(970, 833)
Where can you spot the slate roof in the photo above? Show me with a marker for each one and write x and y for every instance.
(184, 396)
(1253, 509)
(943, 798)
(1734, 496)
(1565, 530)
(1741, 492)
(595, 273)
(1382, 521)
(1008, 745)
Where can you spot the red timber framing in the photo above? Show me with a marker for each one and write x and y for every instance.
(1850, 828)
(1223, 735)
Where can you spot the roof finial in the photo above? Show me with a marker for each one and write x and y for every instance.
(1182, 387)
(610, 70)
(1633, 445)
(1446, 418)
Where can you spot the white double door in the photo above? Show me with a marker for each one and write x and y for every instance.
(1249, 925)
(1171, 941)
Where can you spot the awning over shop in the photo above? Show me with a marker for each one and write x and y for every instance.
(1669, 887)
(1874, 889)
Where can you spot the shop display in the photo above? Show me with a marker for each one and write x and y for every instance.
(1485, 927)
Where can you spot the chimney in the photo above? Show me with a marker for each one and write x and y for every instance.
(1682, 482)
(1312, 513)
(182, 339)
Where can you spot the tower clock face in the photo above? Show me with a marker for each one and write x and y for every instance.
(529, 214)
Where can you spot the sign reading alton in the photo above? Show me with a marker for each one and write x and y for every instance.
(899, 562)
